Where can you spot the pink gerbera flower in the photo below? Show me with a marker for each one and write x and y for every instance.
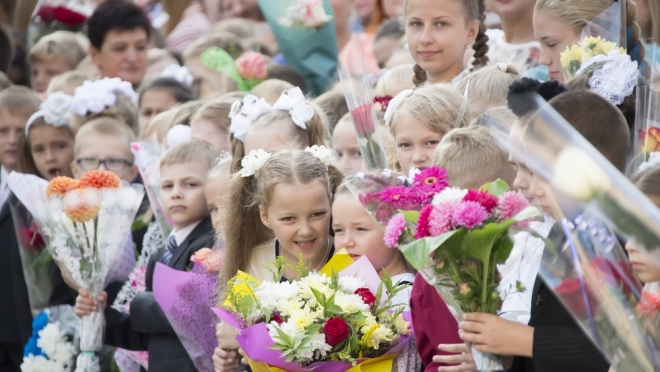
(440, 218)
(401, 197)
(486, 199)
(469, 214)
(394, 230)
(423, 222)
(511, 203)
(434, 178)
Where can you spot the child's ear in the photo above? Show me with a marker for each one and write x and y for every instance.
(264, 217)
(473, 31)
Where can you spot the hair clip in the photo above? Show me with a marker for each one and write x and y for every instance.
(55, 110)
(293, 101)
(177, 134)
(178, 73)
(244, 112)
(394, 103)
(253, 162)
(323, 153)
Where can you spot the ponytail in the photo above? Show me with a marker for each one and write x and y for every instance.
(318, 132)
(243, 229)
(480, 44)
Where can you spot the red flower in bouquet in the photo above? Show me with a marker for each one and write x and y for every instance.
(31, 239)
(616, 274)
(68, 16)
(649, 304)
(486, 199)
(367, 296)
(208, 259)
(570, 291)
(276, 318)
(58, 186)
(382, 102)
(100, 179)
(46, 13)
(363, 120)
(252, 66)
(336, 331)
(423, 222)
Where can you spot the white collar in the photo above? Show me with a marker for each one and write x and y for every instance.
(181, 235)
(4, 187)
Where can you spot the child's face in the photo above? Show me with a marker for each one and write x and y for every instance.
(12, 129)
(271, 139)
(52, 150)
(523, 174)
(554, 36)
(540, 190)
(415, 142)
(438, 37)
(123, 54)
(182, 192)
(214, 188)
(646, 269)
(152, 103)
(42, 72)
(345, 143)
(299, 215)
(114, 150)
(208, 131)
(383, 49)
(361, 235)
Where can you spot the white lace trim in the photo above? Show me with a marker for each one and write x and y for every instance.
(616, 79)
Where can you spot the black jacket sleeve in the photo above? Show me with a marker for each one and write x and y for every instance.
(119, 333)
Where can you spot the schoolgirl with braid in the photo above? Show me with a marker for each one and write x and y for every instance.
(440, 32)
(558, 23)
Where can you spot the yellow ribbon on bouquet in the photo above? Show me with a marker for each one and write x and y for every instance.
(380, 364)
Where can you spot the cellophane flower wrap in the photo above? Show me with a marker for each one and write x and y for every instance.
(185, 298)
(338, 319)
(147, 154)
(356, 84)
(584, 264)
(455, 238)
(86, 223)
(55, 15)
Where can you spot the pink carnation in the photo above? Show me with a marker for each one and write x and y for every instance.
(394, 230)
(510, 204)
(469, 214)
(486, 199)
(440, 218)
(423, 222)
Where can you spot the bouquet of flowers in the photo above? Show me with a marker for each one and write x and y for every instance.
(147, 158)
(53, 15)
(87, 223)
(337, 322)
(305, 14)
(51, 347)
(247, 71)
(185, 298)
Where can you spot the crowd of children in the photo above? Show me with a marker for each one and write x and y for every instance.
(211, 89)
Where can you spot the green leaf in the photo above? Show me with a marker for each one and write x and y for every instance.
(320, 297)
(502, 249)
(497, 188)
(412, 216)
(527, 213)
(478, 243)
(417, 252)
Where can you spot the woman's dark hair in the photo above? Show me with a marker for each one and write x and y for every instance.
(119, 15)
(180, 92)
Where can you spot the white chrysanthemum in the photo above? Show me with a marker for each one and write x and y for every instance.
(289, 329)
(64, 353)
(350, 284)
(378, 335)
(317, 342)
(317, 281)
(324, 154)
(33, 363)
(452, 194)
(301, 319)
(56, 109)
(253, 162)
(50, 337)
(287, 306)
(402, 327)
(350, 303)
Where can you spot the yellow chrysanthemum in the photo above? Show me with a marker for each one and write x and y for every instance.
(571, 59)
(591, 43)
(301, 319)
(366, 339)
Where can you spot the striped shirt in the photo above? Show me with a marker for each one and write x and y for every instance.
(193, 25)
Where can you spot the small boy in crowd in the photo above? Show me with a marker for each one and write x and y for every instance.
(53, 55)
(17, 104)
(183, 170)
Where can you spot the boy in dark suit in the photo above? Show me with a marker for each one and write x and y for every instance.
(17, 104)
(183, 170)
(553, 341)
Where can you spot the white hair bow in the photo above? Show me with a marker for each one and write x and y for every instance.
(178, 134)
(96, 96)
(54, 110)
(293, 101)
(178, 73)
(394, 103)
(244, 112)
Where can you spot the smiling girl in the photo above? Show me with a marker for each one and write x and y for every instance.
(418, 119)
(558, 23)
(440, 32)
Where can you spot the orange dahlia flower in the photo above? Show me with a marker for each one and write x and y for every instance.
(58, 186)
(82, 205)
(100, 179)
